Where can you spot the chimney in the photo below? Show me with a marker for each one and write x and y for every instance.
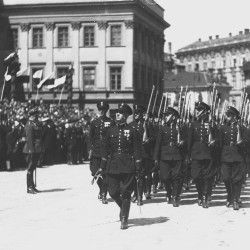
(210, 38)
(240, 32)
(230, 34)
(246, 31)
(199, 39)
(170, 48)
(217, 36)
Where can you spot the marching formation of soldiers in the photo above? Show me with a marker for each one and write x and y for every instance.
(204, 150)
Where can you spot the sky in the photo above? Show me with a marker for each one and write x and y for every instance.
(194, 19)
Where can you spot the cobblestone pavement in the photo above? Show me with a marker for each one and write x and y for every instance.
(67, 215)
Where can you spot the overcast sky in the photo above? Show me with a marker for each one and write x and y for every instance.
(194, 19)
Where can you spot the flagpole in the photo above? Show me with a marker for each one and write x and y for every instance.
(4, 82)
(61, 96)
(37, 90)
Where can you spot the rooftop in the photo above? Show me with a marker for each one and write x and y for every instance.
(215, 42)
(151, 4)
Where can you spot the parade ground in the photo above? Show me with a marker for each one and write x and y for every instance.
(67, 215)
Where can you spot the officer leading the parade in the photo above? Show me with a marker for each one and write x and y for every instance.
(121, 159)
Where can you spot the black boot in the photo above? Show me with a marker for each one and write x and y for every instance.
(140, 201)
(30, 189)
(176, 201)
(104, 199)
(236, 205)
(125, 213)
(205, 202)
(229, 194)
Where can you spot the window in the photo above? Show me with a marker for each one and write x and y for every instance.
(61, 71)
(115, 35)
(89, 77)
(115, 78)
(89, 36)
(63, 36)
(35, 81)
(37, 37)
(15, 38)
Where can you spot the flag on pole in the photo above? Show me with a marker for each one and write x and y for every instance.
(38, 74)
(50, 77)
(58, 82)
(10, 56)
(23, 75)
(23, 72)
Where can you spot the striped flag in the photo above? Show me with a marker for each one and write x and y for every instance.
(23, 72)
(10, 56)
(38, 74)
(50, 77)
(58, 82)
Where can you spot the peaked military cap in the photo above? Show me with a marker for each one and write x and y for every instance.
(232, 111)
(201, 106)
(171, 111)
(139, 108)
(102, 105)
(124, 108)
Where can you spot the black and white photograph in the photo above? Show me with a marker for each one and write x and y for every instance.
(124, 124)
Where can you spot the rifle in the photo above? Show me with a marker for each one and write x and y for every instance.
(179, 103)
(186, 109)
(159, 112)
(145, 134)
(223, 111)
(165, 104)
(153, 109)
(184, 102)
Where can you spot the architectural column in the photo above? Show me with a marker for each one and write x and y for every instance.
(49, 48)
(101, 82)
(24, 44)
(129, 55)
(76, 54)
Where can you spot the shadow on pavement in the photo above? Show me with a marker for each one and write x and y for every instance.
(146, 221)
(54, 190)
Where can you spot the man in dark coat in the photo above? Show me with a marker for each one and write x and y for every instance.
(169, 155)
(98, 130)
(232, 141)
(200, 142)
(32, 149)
(121, 158)
(49, 141)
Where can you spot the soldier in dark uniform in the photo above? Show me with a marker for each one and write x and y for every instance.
(98, 130)
(169, 155)
(232, 138)
(199, 152)
(145, 177)
(121, 158)
(32, 149)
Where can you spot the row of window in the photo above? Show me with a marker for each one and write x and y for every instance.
(63, 37)
(89, 77)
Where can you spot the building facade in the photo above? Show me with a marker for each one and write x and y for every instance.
(222, 59)
(115, 47)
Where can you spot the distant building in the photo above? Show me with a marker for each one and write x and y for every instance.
(221, 59)
(116, 47)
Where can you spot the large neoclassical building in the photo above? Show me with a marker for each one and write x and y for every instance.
(220, 58)
(115, 47)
